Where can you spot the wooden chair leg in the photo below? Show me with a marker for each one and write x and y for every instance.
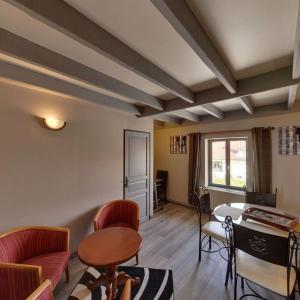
(67, 271)
(137, 259)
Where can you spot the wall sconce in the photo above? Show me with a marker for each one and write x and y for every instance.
(54, 124)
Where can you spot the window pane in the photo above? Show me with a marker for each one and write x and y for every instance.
(238, 163)
(218, 161)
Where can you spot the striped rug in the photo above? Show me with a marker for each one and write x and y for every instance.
(156, 284)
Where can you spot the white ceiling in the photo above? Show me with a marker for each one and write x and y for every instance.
(253, 37)
(139, 25)
(37, 32)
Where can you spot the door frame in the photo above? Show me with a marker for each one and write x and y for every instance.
(149, 162)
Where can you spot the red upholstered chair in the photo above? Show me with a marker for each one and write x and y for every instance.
(43, 292)
(30, 255)
(118, 213)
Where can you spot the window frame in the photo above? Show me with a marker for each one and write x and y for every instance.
(227, 162)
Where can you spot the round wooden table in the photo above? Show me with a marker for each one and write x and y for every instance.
(107, 248)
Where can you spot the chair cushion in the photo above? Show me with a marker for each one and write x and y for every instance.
(215, 230)
(120, 224)
(53, 265)
(265, 274)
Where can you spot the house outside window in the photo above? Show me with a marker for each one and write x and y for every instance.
(227, 163)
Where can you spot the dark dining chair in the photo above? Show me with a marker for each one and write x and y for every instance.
(212, 231)
(264, 259)
(163, 184)
(266, 199)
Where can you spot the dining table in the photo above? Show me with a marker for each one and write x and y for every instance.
(235, 210)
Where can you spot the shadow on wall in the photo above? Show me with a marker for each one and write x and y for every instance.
(80, 227)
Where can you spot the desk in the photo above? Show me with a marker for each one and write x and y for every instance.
(108, 248)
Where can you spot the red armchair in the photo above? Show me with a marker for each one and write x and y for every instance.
(43, 292)
(118, 213)
(30, 255)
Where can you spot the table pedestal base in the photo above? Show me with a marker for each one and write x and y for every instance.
(112, 280)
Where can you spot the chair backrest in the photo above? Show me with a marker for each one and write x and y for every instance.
(266, 199)
(274, 249)
(201, 202)
(23, 243)
(118, 211)
(160, 174)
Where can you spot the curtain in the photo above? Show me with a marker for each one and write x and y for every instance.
(194, 165)
(262, 160)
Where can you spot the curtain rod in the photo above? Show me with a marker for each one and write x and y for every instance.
(228, 131)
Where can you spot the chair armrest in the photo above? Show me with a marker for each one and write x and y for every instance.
(53, 239)
(126, 291)
(17, 281)
(43, 292)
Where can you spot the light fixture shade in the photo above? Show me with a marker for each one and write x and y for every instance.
(54, 124)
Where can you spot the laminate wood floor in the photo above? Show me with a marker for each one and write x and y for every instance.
(170, 240)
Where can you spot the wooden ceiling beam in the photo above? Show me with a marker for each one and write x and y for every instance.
(183, 20)
(29, 78)
(260, 83)
(262, 111)
(17, 47)
(168, 119)
(62, 17)
(212, 110)
(296, 63)
(246, 104)
(185, 114)
(296, 54)
(292, 96)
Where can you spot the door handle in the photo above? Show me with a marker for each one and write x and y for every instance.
(126, 182)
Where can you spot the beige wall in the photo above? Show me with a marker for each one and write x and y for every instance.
(59, 178)
(286, 169)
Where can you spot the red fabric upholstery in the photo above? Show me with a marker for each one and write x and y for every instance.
(16, 283)
(20, 245)
(120, 224)
(53, 265)
(124, 213)
(45, 247)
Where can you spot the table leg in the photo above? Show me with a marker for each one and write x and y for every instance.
(99, 281)
(111, 280)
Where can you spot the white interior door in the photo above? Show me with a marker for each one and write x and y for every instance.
(137, 170)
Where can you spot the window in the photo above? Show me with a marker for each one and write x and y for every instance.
(227, 163)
